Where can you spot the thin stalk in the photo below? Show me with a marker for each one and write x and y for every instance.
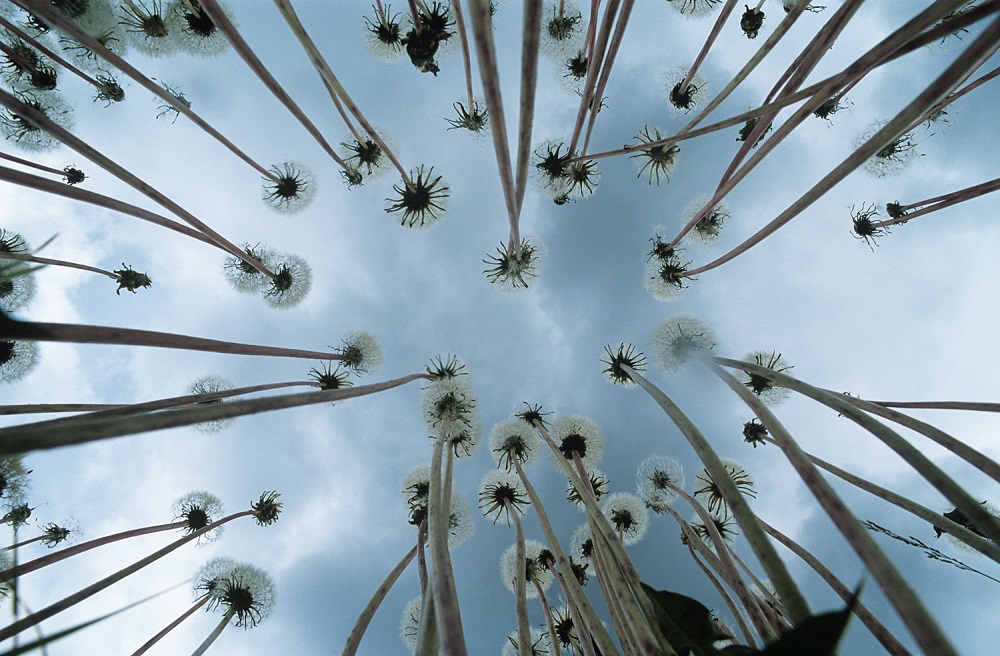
(173, 625)
(727, 10)
(613, 599)
(49, 408)
(224, 25)
(442, 584)
(332, 84)
(761, 545)
(972, 86)
(766, 599)
(482, 30)
(428, 641)
(913, 457)
(911, 610)
(520, 584)
(361, 625)
(54, 557)
(882, 634)
(223, 623)
(945, 201)
(602, 82)
(971, 58)
(69, 28)
(42, 122)
(532, 29)
(25, 438)
(422, 556)
(594, 62)
(980, 461)
(586, 641)
(63, 263)
(573, 590)
(463, 41)
(23, 543)
(91, 590)
(980, 544)
(549, 622)
(976, 406)
(62, 189)
(34, 165)
(748, 637)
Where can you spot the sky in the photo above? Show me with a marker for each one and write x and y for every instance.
(912, 318)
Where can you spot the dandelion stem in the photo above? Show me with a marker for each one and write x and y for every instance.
(976, 406)
(333, 85)
(463, 41)
(549, 622)
(23, 257)
(915, 616)
(602, 82)
(532, 29)
(34, 165)
(173, 625)
(759, 542)
(224, 25)
(941, 202)
(595, 58)
(520, 596)
(727, 10)
(748, 636)
(361, 625)
(22, 543)
(54, 557)
(223, 623)
(958, 94)
(881, 633)
(91, 590)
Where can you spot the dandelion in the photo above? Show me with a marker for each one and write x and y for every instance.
(474, 119)
(748, 129)
(422, 42)
(153, 29)
(166, 109)
(289, 188)
(625, 355)
(514, 439)
(409, 626)
(197, 510)
(267, 508)
(460, 522)
(24, 133)
(665, 273)
(110, 36)
(415, 489)
(581, 178)
(330, 377)
(678, 339)
(365, 156)
(360, 352)
(382, 34)
(17, 358)
(197, 33)
(291, 284)
(562, 29)
(244, 277)
(500, 493)
(575, 68)
(725, 525)
(533, 415)
(754, 433)
(864, 227)
(709, 227)
(565, 631)
(598, 483)
(577, 436)
(13, 477)
(892, 158)
(535, 568)
(514, 269)
(694, 8)
(708, 490)
(130, 279)
(768, 392)
(16, 292)
(109, 89)
(582, 544)
(538, 639)
(54, 534)
(690, 96)
(628, 514)
(247, 595)
(752, 20)
(211, 385)
(655, 480)
(787, 5)
(659, 160)
(451, 401)
(464, 439)
(17, 515)
(420, 199)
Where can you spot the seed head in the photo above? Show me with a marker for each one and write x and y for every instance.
(864, 228)
(599, 483)
(709, 227)
(451, 401)
(361, 352)
(751, 21)
(665, 272)
(409, 626)
(24, 133)
(500, 493)
(695, 8)
(893, 157)
(474, 119)
(628, 515)
(534, 569)
(208, 578)
(514, 271)
(53, 534)
(653, 480)
(768, 392)
(724, 524)
(659, 160)
(708, 490)
(514, 439)
(292, 284)
(538, 639)
(421, 201)
(248, 592)
(16, 291)
(616, 359)
(196, 32)
(197, 510)
(578, 435)
(131, 280)
(290, 190)
(210, 385)
(16, 359)
(754, 433)
(678, 339)
(687, 98)
(382, 34)
(562, 29)
(267, 508)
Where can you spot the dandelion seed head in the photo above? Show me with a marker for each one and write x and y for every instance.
(678, 339)
(17, 359)
(20, 131)
(562, 32)
(198, 509)
(196, 32)
(294, 280)
(248, 592)
(628, 515)
(538, 639)
(208, 578)
(500, 493)
(210, 385)
(291, 190)
(706, 232)
(891, 159)
(448, 400)
(767, 392)
(578, 435)
(694, 8)
(652, 479)
(535, 569)
(409, 625)
(362, 352)
(687, 98)
(514, 272)
(514, 439)
(16, 292)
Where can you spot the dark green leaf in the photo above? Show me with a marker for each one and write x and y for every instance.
(686, 623)
(817, 636)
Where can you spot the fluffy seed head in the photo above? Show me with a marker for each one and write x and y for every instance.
(539, 643)
(361, 351)
(294, 280)
(678, 339)
(535, 569)
(248, 591)
(451, 401)
(209, 576)
(210, 385)
(768, 392)
(575, 434)
(709, 492)
(291, 190)
(652, 480)
(512, 271)
(514, 438)
(709, 227)
(687, 98)
(628, 515)
(197, 510)
(16, 359)
(500, 493)
(409, 625)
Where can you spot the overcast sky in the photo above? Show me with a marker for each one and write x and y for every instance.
(914, 320)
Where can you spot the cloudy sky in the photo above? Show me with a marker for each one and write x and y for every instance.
(911, 319)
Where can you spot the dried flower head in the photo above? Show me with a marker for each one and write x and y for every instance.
(166, 109)
(53, 534)
(695, 8)
(551, 166)
(366, 157)
(24, 133)
(708, 490)
(17, 515)
(109, 89)
(423, 41)
(576, 435)
(893, 157)
(514, 269)
(414, 490)
(292, 282)
(210, 385)
(864, 227)
(267, 508)
(533, 415)
(474, 119)
(654, 479)
(535, 569)
(130, 279)
(73, 175)
(501, 493)
(290, 190)
(748, 129)
(329, 377)
(686, 98)
(754, 433)
(150, 27)
(247, 592)
(421, 200)
(464, 438)
(538, 639)
(244, 277)
(709, 227)
(666, 273)
(658, 160)
(599, 483)
(448, 366)
(196, 32)
(622, 356)
(514, 439)
(575, 68)
(751, 21)
(581, 179)
(565, 631)
(16, 359)
(724, 524)
(197, 510)
(361, 352)
(562, 29)
(628, 515)
(678, 339)
(209, 576)
(768, 392)
(448, 401)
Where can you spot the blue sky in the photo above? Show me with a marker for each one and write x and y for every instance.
(912, 320)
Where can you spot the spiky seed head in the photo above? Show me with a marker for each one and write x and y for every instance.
(582, 544)
(244, 277)
(616, 358)
(726, 526)
(533, 415)
(500, 493)
(709, 227)
(514, 271)
(578, 435)
(534, 568)
(17, 515)
(446, 366)
(211, 385)
(248, 592)
(24, 133)
(474, 119)
(152, 30)
(267, 508)
(628, 515)
(538, 639)
(653, 480)
(710, 493)
(562, 29)
(292, 284)
(291, 190)
(687, 98)
(17, 359)
(409, 625)
(448, 401)
(891, 158)
(598, 482)
(420, 202)
(678, 339)
(53, 534)
(130, 279)
(666, 276)
(361, 352)
(754, 433)
(658, 160)
(209, 577)
(197, 33)
(197, 510)
(330, 377)
(695, 8)
(464, 438)
(514, 439)
(767, 391)
(562, 620)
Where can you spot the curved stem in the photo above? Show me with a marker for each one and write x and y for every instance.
(748, 637)
(549, 622)
(173, 625)
(727, 10)
(34, 165)
(47, 408)
(947, 200)
(520, 584)
(223, 623)
(361, 625)
(977, 406)
(602, 82)
(23, 257)
(463, 41)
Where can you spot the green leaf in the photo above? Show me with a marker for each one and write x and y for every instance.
(686, 623)
(817, 636)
